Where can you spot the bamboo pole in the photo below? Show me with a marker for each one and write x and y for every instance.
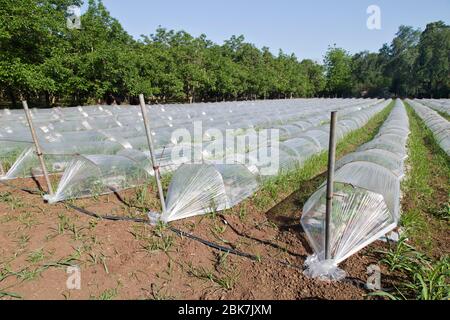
(37, 146)
(330, 183)
(152, 153)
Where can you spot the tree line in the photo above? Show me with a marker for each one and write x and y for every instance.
(49, 64)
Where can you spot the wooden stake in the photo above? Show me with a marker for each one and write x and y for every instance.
(38, 148)
(152, 153)
(330, 183)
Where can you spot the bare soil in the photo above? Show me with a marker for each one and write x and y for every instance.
(128, 260)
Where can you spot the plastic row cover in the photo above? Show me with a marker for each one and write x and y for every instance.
(130, 133)
(190, 195)
(58, 154)
(201, 188)
(179, 206)
(161, 116)
(437, 124)
(366, 204)
(160, 110)
(94, 175)
(127, 138)
(221, 113)
(56, 157)
(296, 151)
(442, 105)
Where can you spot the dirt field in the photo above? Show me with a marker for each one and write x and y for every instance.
(130, 260)
(124, 260)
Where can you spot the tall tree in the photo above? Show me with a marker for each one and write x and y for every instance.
(46, 62)
(402, 57)
(433, 61)
(315, 74)
(29, 32)
(338, 72)
(368, 75)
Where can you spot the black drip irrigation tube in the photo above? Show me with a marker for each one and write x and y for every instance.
(174, 230)
(351, 280)
(184, 234)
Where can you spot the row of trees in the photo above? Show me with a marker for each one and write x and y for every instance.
(46, 62)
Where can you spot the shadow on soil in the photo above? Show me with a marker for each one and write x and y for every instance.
(286, 214)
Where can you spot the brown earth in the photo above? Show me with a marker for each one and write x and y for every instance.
(128, 260)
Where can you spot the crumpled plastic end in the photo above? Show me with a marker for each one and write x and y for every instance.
(324, 270)
(49, 199)
(154, 218)
(393, 236)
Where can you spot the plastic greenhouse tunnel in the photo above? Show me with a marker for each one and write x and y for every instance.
(293, 152)
(74, 129)
(439, 126)
(189, 194)
(366, 202)
(441, 105)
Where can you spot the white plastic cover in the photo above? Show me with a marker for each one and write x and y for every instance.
(126, 144)
(123, 124)
(441, 105)
(366, 202)
(202, 188)
(437, 124)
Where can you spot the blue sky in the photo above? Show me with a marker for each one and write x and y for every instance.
(305, 28)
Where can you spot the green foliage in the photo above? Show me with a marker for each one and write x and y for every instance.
(42, 58)
(338, 72)
(402, 58)
(49, 64)
(429, 164)
(424, 278)
(226, 279)
(368, 75)
(433, 61)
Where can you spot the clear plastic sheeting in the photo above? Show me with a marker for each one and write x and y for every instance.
(56, 157)
(70, 151)
(437, 124)
(440, 105)
(323, 270)
(374, 177)
(366, 202)
(295, 151)
(201, 188)
(123, 124)
(359, 217)
(198, 189)
(384, 158)
(94, 175)
(292, 153)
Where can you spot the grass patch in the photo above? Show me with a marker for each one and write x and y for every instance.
(427, 185)
(160, 293)
(426, 279)
(109, 294)
(36, 256)
(225, 279)
(425, 213)
(444, 115)
(158, 239)
(13, 201)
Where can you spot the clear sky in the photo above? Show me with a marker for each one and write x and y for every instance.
(305, 28)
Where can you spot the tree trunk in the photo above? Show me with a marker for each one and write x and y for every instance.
(12, 97)
(47, 99)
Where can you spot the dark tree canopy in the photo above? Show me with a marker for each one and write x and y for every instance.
(49, 64)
